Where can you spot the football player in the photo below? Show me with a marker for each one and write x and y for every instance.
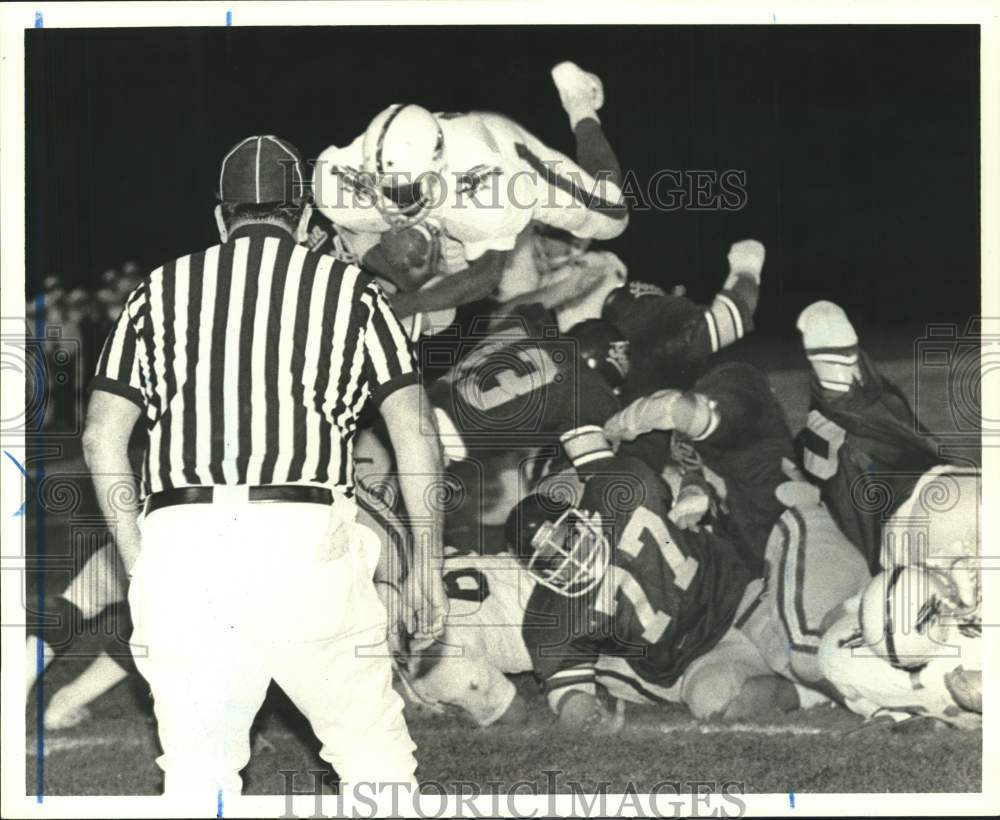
(523, 385)
(731, 427)
(675, 335)
(628, 601)
(474, 182)
(862, 444)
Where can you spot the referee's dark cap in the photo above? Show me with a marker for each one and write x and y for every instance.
(260, 170)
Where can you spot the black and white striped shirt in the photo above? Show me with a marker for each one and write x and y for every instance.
(252, 362)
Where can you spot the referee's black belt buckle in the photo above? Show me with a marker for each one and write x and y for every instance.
(287, 493)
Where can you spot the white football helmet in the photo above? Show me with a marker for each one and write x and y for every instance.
(403, 154)
(907, 614)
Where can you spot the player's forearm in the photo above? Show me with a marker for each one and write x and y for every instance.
(688, 413)
(478, 282)
(573, 286)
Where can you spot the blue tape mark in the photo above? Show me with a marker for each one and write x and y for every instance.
(24, 472)
(229, 22)
(40, 552)
(39, 22)
(791, 798)
(218, 805)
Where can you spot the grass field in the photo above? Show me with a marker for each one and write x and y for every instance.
(821, 750)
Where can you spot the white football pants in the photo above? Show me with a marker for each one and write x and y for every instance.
(226, 597)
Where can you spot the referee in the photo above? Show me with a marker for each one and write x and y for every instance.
(249, 364)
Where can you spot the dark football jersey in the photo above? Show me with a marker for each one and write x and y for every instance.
(866, 450)
(671, 337)
(520, 385)
(745, 450)
(667, 596)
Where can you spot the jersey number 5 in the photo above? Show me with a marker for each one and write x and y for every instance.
(644, 527)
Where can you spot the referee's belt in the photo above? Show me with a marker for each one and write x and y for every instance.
(287, 493)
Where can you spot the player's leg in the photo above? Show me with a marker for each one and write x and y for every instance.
(733, 681)
(813, 568)
(582, 197)
(582, 95)
(845, 378)
(831, 345)
(106, 641)
(69, 706)
(97, 585)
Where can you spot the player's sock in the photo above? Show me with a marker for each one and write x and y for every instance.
(580, 92)
(594, 153)
(831, 345)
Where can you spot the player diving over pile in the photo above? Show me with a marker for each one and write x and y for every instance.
(421, 196)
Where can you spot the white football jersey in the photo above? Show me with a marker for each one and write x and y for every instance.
(499, 178)
(487, 596)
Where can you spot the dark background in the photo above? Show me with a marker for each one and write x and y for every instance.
(860, 144)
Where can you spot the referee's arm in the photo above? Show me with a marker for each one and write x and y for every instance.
(403, 403)
(115, 405)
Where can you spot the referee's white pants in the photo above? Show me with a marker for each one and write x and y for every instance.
(226, 597)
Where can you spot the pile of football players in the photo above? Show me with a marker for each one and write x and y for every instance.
(630, 519)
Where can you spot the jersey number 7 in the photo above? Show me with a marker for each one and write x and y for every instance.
(645, 529)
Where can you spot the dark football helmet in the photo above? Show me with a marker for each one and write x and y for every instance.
(560, 546)
(602, 347)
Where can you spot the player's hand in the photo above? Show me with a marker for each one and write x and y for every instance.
(583, 712)
(966, 688)
(690, 506)
(427, 611)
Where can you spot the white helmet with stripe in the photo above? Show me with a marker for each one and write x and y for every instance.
(403, 153)
(907, 615)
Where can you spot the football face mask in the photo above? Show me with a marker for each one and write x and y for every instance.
(570, 555)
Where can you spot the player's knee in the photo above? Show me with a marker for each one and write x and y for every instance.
(763, 695)
(824, 324)
(711, 691)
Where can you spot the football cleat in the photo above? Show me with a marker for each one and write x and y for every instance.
(577, 88)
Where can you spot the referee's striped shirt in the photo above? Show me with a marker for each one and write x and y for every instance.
(252, 362)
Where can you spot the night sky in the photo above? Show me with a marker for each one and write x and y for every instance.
(860, 144)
